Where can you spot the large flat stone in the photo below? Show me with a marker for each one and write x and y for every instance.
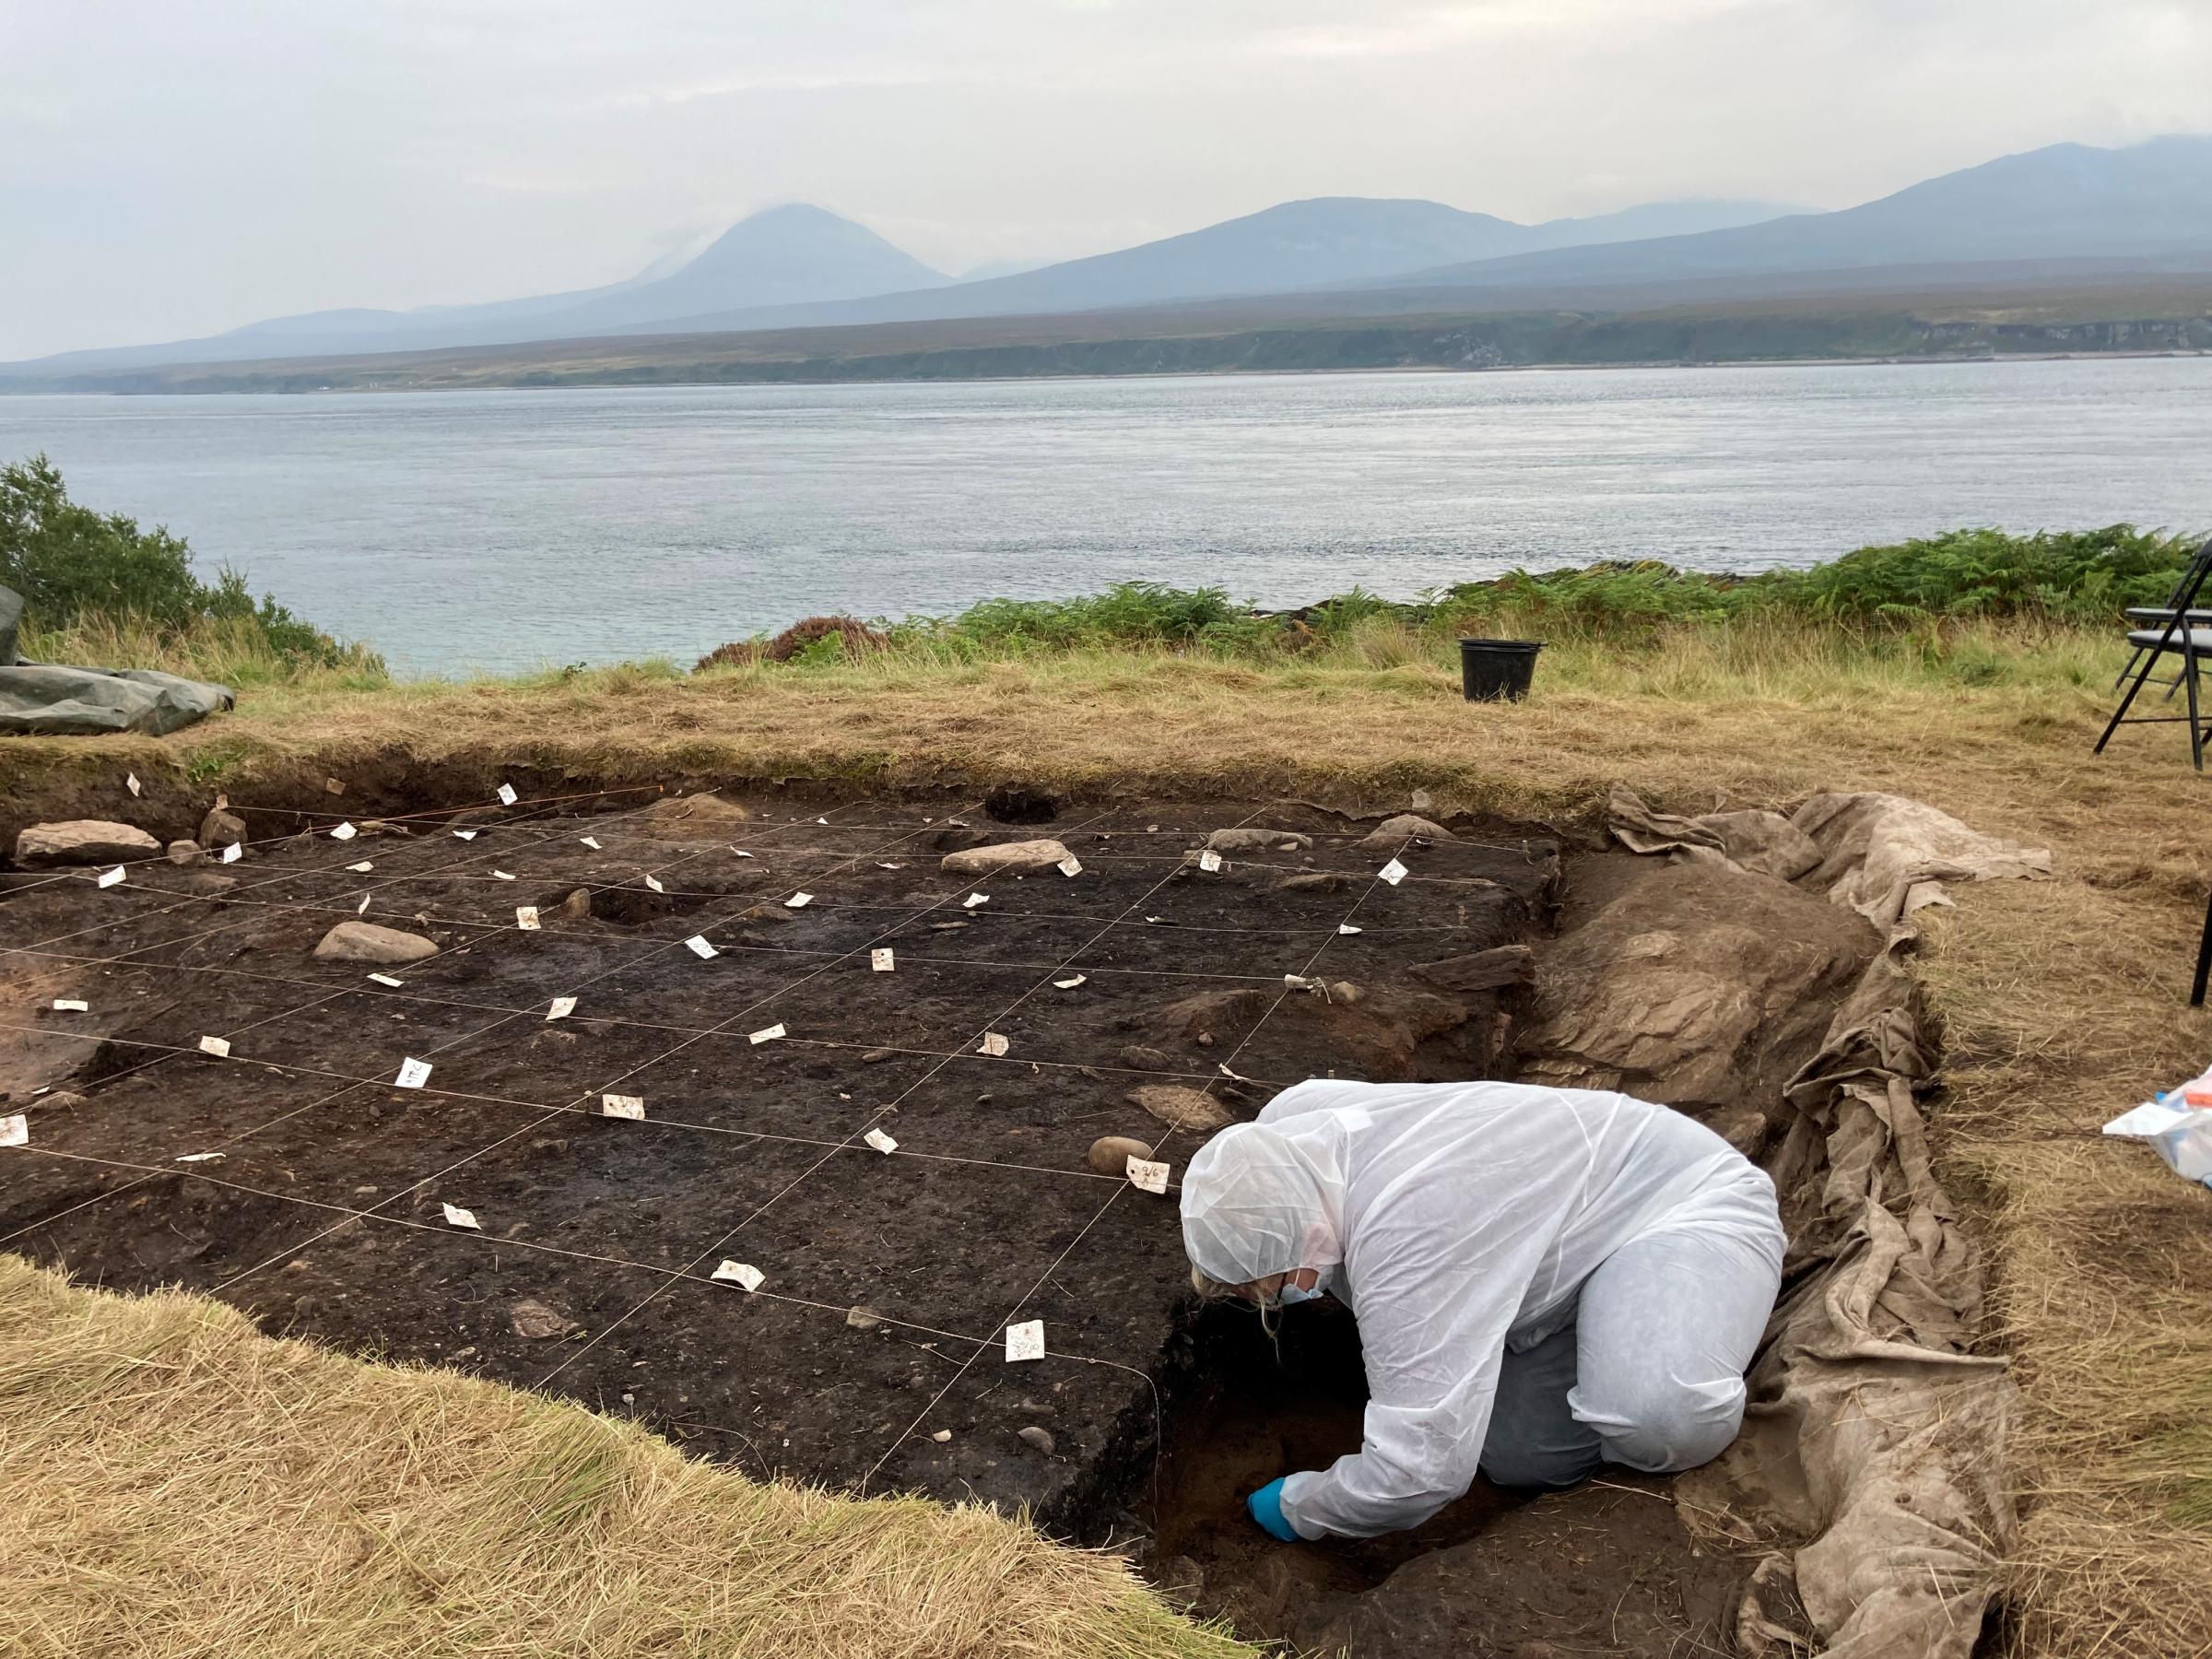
(366, 942)
(83, 841)
(1019, 857)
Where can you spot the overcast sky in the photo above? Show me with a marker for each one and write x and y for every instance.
(171, 168)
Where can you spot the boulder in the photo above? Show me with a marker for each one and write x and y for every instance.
(185, 852)
(1394, 832)
(1258, 840)
(691, 817)
(1110, 1154)
(1181, 1108)
(221, 828)
(366, 942)
(577, 906)
(82, 841)
(1019, 858)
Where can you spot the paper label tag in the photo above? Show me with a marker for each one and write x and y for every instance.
(465, 834)
(741, 852)
(743, 1275)
(622, 1106)
(1154, 921)
(1393, 872)
(333, 785)
(992, 1043)
(362, 908)
(109, 879)
(413, 1074)
(385, 979)
(882, 960)
(1070, 865)
(200, 1158)
(562, 1007)
(1147, 1176)
(1025, 1341)
(15, 1130)
(233, 853)
(70, 1005)
(1069, 984)
(769, 1035)
(457, 1216)
(363, 869)
(592, 841)
(525, 917)
(973, 900)
(799, 901)
(501, 876)
(881, 1142)
(654, 882)
(821, 820)
(1209, 861)
(222, 803)
(883, 863)
(344, 831)
(131, 782)
(1346, 927)
(506, 796)
(696, 945)
(218, 1046)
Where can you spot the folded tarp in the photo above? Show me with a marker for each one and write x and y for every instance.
(76, 701)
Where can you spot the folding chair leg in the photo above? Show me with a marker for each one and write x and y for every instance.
(2197, 730)
(2203, 961)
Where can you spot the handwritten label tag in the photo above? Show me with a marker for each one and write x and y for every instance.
(344, 831)
(881, 1142)
(882, 960)
(131, 782)
(200, 1157)
(622, 1106)
(592, 841)
(696, 945)
(385, 979)
(363, 867)
(1069, 984)
(333, 786)
(413, 1074)
(1209, 861)
(109, 879)
(562, 1007)
(70, 1005)
(1070, 865)
(992, 1044)
(457, 1216)
(218, 1046)
(1346, 927)
(15, 1130)
(501, 876)
(233, 853)
(525, 917)
(973, 900)
(769, 1035)
(506, 796)
(465, 834)
(1393, 872)
(799, 901)
(1147, 1176)
(654, 882)
(743, 1275)
(1025, 1341)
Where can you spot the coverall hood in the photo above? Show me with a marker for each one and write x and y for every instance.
(1267, 1198)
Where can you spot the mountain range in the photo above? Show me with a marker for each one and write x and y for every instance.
(2056, 210)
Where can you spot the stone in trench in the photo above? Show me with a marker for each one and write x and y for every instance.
(1391, 831)
(1258, 840)
(366, 942)
(1016, 858)
(577, 906)
(1313, 881)
(82, 841)
(207, 883)
(221, 828)
(1181, 1108)
(1110, 1154)
(1040, 1438)
(1139, 1058)
(532, 1319)
(185, 851)
(863, 1318)
(1346, 993)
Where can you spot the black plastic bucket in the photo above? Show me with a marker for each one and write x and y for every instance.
(1497, 670)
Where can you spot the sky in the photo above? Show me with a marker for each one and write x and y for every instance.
(171, 170)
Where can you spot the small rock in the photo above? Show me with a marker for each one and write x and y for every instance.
(873, 1055)
(1258, 840)
(767, 912)
(1040, 1438)
(185, 851)
(1743, 1127)
(1392, 831)
(366, 942)
(1344, 991)
(1181, 1108)
(1013, 857)
(982, 1099)
(577, 906)
(61, 1099)
(208, 882)
(941, 1436)
(532, 1319)
(220, 829)
(1204, 1040)
(1139, 1058)
(1313, 881)
(863, 1319)
(952, 926)
(82, 841)
(553, 1036)
(1110, 1154)
(1093, 1072)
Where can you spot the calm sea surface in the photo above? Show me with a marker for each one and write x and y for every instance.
(504, 530)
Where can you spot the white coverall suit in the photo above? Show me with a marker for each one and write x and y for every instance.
(1543, 1279)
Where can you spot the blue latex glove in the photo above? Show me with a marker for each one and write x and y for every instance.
(1266, 1507)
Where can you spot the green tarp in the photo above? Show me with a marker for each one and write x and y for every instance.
(65, 701)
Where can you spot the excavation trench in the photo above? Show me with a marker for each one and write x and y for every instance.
(319, 1195)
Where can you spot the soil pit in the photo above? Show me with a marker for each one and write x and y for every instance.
(872, 1356)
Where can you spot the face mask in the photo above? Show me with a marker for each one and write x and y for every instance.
(1290, 1294)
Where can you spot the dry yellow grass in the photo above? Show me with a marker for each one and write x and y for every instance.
(2061, 1002)
(174, 1483)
